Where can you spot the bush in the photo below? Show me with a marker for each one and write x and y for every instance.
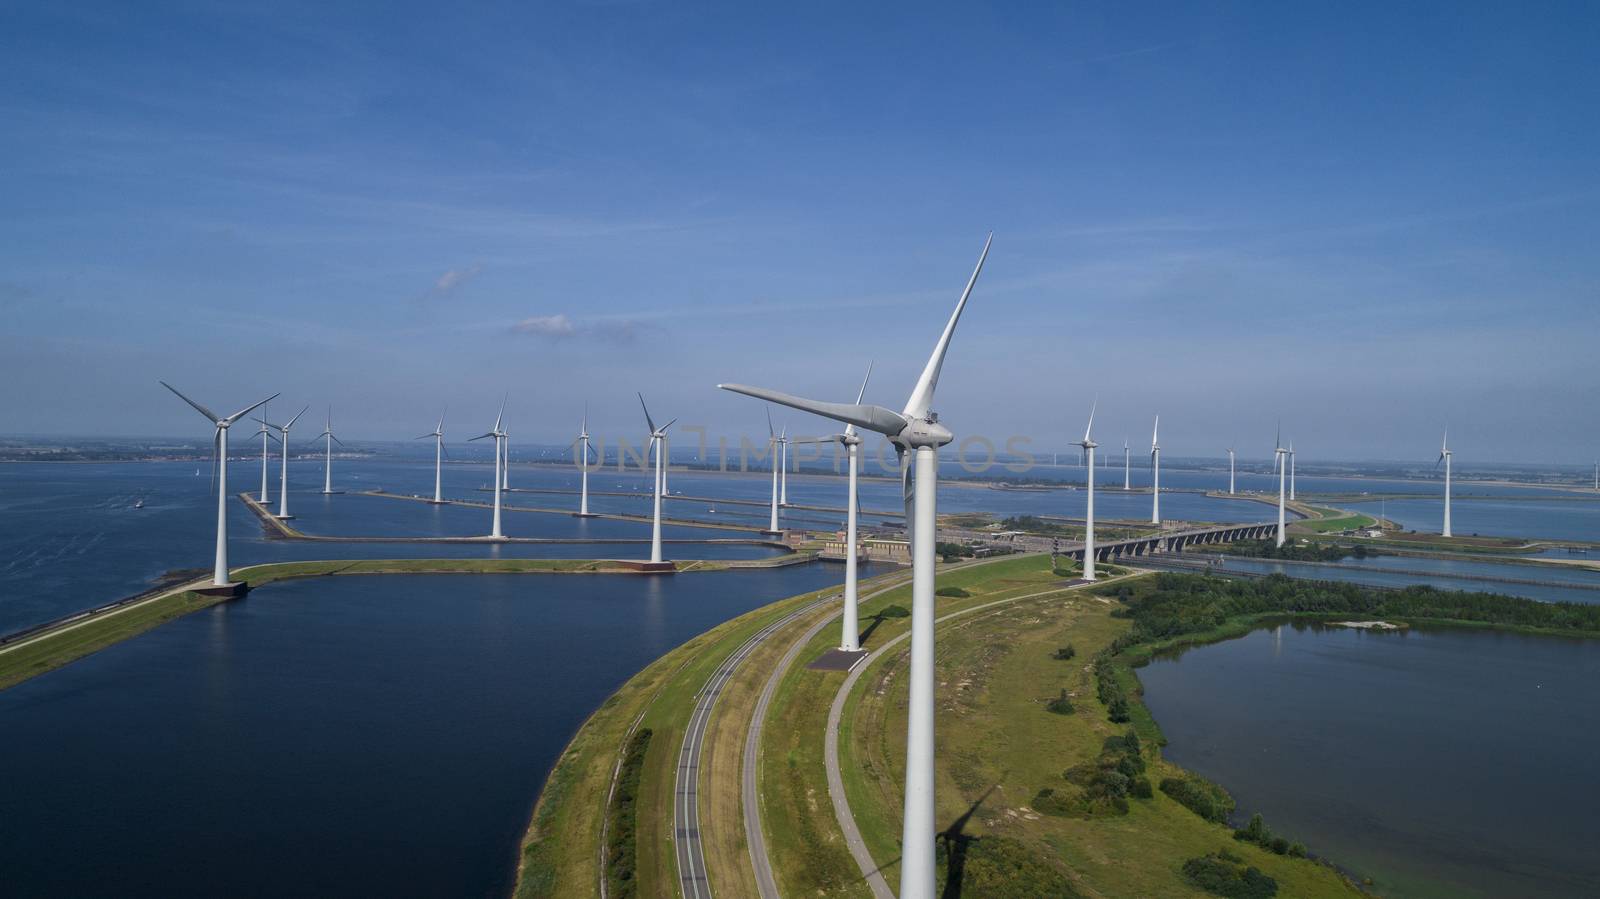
(1202, 797)
(894, 612)
(1061, 705)
(951, 591)
(1117, 711)
(995, 867)
(1222, 873)
(1297, 850)
(1064, 653)
(622, 819)
(1141, 789)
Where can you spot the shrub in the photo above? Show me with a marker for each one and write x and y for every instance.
(951, 591)
(1117, 711)
(995, 867)
(1141, 789)
(1222, 873)
(1297, 850)
(894, 612)
(1061, 705)
(1205, 799)
(1064, 653)
(622, 819)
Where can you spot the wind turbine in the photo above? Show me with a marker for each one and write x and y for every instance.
(658, 437)
(498, 436)
(1155, 475)
(1127, 467)
(283, 477)
(219, 574)
(850, 638)
(772, 453)
(265, 433)
(438, 456)
(505, 461)
(783, 482)
(1230, 471)
(327, 460)
(1278, 462)
(915, 430)
(1444, 456)
(1291, 469)
(582, 444)
(1088, 466)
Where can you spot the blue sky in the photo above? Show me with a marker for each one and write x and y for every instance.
(1366, 219)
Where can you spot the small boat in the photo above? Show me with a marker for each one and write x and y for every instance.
(712, 510)
(139, 504)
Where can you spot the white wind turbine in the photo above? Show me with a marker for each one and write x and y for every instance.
(1444, 456)
(283, 476)
(1230, 471)
(1155, 475)
(1278, 462)
(327, 459)
(1127, 466)
(505, 461)
(1088, 519)
(438, 456)
(582, 445)
(658, 438)
(1291, 469)
(783, 481)
(915, 430)
(219, 574)
(266, 434)
(850, 626)
(498, 435)
(772, 453)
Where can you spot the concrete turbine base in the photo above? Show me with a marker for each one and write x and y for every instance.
(228, 591)
(585, 514)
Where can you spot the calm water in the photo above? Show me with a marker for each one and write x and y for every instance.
(353, 736)
(1520, 517)
(1437, 573)
(1439, 763)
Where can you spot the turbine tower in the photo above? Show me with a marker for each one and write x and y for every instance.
(219, 574)
(772, 453)
(1444, 456)
(327, 459)
(1155, 475)
(1278, 462)
(582, 445)
(658, 437)
(1291, 469)
(1127, 467)
(850, 626)
(438, 456)
(283, 477)
(265, 433)
(1230, 471)
(783, 481)
(498, 435)
(505, 461)
(915, 430)
(1088, 527)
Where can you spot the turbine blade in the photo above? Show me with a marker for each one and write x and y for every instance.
(922, 395)
(337, 440)
(873, 418)
(772, 435)
(480, 436)
(197, 407)
(502, 413)
(864, 381)
(247, 410)
(1092, 407)
(296, 418)
(668, 425)
(216, 452)
(424, 436)
(647, 419)
(441, 418)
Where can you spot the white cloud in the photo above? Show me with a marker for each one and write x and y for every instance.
(558, 325)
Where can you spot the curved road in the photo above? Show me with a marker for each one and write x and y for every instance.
(686, 803)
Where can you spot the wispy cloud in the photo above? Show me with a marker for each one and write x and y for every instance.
(562, 326)
(451, 281)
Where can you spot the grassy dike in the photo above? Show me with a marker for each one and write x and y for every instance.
(561, 850)
(71, 642)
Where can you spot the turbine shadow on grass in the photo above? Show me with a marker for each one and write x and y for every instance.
(955, 842)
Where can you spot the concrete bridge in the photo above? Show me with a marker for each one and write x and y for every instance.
(1174, 541)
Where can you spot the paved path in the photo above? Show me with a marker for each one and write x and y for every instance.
(841, 804)
(686, 804)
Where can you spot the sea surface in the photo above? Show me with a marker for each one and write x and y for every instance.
(1440, 763)
(1560, 583)
(1533, 517)
(350, 736)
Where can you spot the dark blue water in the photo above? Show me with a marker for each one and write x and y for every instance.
(1520, 517)
(352, 736)
(1435, 572)
(1439, 763)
